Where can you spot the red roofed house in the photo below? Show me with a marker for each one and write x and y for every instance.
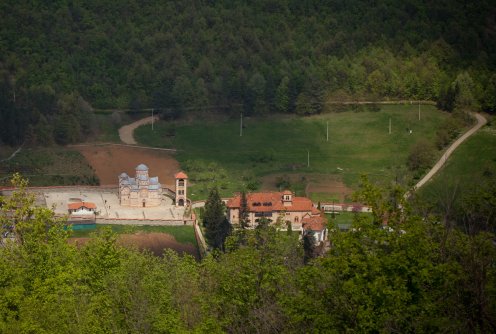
(279, 205)
(315, 226)
(81, 208)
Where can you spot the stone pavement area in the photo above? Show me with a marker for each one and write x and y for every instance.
(107, 205)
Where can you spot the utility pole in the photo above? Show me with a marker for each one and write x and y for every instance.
(419, 110)
(241, 126)
(308, 158)
(333, 215)
(389, 125)
(327, 130)
(152, 119)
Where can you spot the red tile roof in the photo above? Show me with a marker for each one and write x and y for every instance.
(181, 175)
(315, 211)
(313, 223)
(78, 205)
(271, 201)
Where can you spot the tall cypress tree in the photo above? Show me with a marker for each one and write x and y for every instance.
(217, 228)
(243, 211)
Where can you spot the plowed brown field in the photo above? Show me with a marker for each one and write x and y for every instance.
(109, 161)
(154, 242)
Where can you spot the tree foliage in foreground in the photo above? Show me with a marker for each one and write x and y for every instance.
(415, 275)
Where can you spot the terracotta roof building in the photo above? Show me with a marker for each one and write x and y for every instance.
(315, 226)
(282, 206)
(81, 208)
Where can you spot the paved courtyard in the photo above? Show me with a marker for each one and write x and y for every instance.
(107, 205)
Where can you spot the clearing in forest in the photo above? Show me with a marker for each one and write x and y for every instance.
(358, 143)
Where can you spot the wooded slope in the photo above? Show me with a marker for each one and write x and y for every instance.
(186, 57)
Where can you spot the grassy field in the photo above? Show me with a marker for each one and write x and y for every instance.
(48, 166)
(359, 143)
(472, 163)
(182, 234)
(108, 129)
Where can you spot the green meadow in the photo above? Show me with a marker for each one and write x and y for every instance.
(471, 164)
(359, 143)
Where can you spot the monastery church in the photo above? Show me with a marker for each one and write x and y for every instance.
(145, 191)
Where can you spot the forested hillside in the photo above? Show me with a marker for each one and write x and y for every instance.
(60, 58)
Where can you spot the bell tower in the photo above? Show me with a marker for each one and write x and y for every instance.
(181, 188)
(287, 198)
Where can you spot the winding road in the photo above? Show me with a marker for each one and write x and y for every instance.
(481, 121)
(126, 133)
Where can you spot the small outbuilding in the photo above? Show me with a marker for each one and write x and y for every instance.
(81, 208)
(315, 226)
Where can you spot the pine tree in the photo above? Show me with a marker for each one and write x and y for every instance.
(217, 228)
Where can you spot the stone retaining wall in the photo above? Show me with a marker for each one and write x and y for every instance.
(200, 240)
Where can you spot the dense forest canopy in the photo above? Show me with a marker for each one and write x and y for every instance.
(186, 57)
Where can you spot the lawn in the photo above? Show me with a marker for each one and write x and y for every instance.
(471, 164)
(359, 143)
(345, 218)
(182, 234)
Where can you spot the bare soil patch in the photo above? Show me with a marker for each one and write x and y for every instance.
(321, 183)
(110, 161)
(154, 242)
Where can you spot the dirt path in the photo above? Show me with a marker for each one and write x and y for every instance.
(13, 154)
(126, 132)
(481, 121)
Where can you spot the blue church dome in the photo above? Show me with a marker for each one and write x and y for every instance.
(142, 167)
